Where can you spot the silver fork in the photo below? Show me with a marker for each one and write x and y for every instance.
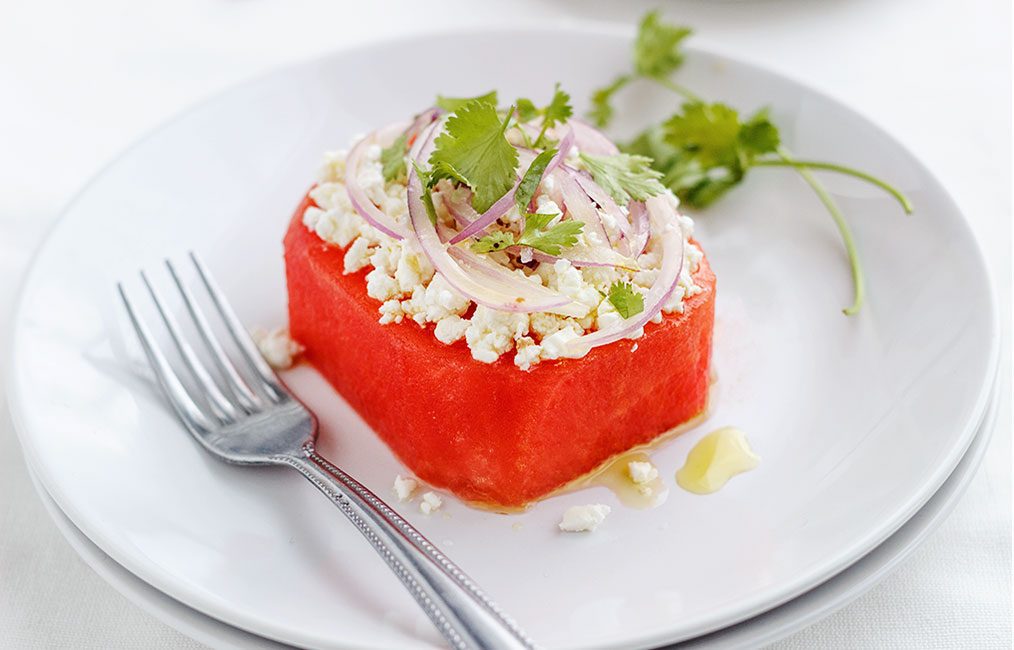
(252, 419)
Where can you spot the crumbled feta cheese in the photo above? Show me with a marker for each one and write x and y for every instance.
(277, 347)
(357, 256)
(579, 519)
(380, 286)
(391, 312)
(451, 329)
(404, 487)
(492, 332)
(642, 471)
(555, 345)
(528, 352)
(430, 503)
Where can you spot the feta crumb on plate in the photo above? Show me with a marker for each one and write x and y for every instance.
(431, 502)
(642, 471)
(277, 347)
(404, 487)
(578, 519)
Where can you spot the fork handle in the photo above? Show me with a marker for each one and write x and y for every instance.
(465, 616)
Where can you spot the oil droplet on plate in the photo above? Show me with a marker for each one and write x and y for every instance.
(715, 459)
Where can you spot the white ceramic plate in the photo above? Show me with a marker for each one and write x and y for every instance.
(859, 420)
(761, 630)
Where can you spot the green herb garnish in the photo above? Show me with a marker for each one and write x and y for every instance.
(705, 149)
(626, 301)
(452, 104)
(392, 159)
(472, 149)
(537, 234)
(624, 176)
(530, 181)
(556, 112)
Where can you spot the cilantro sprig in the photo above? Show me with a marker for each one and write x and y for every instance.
(706, 149)
(625, 299)
(556, 112)
(473, 150)
(537, 234)
(624, 176)
(452, 104)
(392, 159)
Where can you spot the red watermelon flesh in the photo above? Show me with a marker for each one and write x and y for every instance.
(491, 433)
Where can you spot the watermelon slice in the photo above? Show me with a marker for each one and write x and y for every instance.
(493, 434)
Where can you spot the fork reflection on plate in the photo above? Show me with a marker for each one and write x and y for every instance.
(248, 417)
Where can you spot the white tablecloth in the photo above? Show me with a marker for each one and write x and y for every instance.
(81, 80)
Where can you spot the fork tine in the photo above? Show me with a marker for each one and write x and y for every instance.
(223, 409)
(238, 332)
(237, 386)
(182, 403)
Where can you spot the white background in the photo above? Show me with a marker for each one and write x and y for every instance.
(79, 81)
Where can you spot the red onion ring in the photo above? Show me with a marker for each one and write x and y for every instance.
(606, 202)
(495, 211)
(665, 222)
(640, 228)
(582, 256)
(357, 197)
(578, 204)
(591, 140)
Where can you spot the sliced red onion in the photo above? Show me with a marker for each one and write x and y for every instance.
(577, 203)
(422, 120)
(640, 228)
(591, 140)
(495, 211)
(582, 256)
(606, 202)
(562, 150)
(459, 208)
(665, 223)
(500, 289)
(357, 197)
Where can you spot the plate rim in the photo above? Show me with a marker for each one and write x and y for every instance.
(746, 608)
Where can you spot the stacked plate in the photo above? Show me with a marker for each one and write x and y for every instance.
(869, 427)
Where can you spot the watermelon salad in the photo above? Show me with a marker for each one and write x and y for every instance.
(505, 298)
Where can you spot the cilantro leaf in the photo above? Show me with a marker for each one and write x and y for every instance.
(624, 176)
(527, 110)
(393, 159)
(549, 239)
(473, 150)
(759, 135)
(452, 104)
(427, 182)
(495, 241)
(627, 301)
(558, 111)
(710, 131)
(657, 51)
(602, 111)
(530, 181)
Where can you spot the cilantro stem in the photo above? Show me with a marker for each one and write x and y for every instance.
(843, 229)
(841, 169)
(680, 89)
